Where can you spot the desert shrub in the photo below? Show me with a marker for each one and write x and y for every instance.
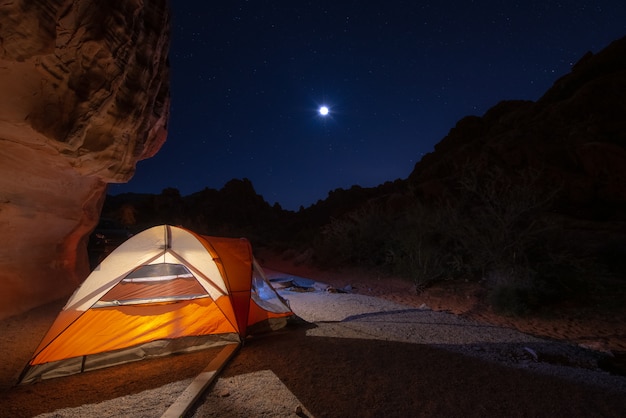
(412, 243)
(501, 217)
(358, 238)
(423, 247)
(506, 234)
(495, 227)
(514, 290)
(493, 224)
(612, 258)
(511, 300)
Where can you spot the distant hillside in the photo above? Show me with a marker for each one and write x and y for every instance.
(571, 144)
(575, 136)
(237, 210)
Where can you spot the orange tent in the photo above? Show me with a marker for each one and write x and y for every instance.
(164, 290)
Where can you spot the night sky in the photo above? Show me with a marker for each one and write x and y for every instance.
(248, 79)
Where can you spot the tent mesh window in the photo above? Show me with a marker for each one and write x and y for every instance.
(154, 283)
(264, 294)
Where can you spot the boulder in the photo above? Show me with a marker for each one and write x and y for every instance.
(85, 95)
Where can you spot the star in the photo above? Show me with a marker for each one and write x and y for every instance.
(323, 110)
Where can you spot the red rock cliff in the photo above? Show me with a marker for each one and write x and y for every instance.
(85, 95)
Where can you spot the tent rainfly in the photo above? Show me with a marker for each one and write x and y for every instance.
(164, 290)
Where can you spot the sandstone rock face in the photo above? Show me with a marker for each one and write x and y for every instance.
(85, 95)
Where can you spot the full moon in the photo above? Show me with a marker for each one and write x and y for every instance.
(323, 110)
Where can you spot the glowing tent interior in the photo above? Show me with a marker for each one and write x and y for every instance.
(164, 290)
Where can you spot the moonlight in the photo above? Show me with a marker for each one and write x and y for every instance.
(323, 110)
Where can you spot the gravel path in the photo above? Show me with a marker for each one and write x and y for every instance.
(361, 316)
(352, 316)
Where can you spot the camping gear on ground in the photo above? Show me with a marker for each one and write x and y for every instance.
(164, 290)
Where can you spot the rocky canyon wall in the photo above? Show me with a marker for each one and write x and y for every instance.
(84, 96)
(575, 136)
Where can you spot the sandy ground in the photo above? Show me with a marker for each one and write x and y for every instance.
(379, 350)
